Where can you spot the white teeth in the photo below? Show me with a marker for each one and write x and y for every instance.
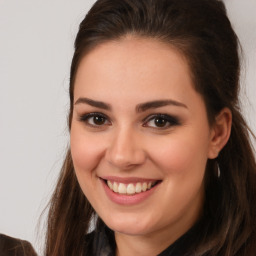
(138, 188)
(115, 187)
(110, 185)
(130, 189)
(144, 186)
(121, 189)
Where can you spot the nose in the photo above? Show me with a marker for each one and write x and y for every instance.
(125, 149)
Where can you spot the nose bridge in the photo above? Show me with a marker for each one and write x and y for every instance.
(125, 148)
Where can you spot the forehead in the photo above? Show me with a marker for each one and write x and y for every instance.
(134, 67)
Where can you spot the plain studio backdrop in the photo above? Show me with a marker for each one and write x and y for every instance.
(36, 47)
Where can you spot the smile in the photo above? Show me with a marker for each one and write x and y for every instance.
(130, 188)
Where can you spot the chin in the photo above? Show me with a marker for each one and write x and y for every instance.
(131, 231)
(129, 227)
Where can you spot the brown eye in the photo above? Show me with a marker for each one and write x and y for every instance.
(95, 119)
(98, 120)
(160, 122)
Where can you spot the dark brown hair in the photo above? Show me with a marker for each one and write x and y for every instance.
(201, 31)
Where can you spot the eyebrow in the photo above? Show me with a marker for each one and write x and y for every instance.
(157, 104)
(139, 108)
(93, 103)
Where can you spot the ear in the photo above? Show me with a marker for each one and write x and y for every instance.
(220, 132)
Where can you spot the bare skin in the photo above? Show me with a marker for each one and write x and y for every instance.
(118, 132)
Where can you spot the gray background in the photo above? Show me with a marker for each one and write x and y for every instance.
(36, 46)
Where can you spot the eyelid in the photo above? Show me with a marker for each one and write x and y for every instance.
(170, 120)
(84, 118)
(173, 120)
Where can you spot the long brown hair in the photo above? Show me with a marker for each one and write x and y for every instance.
(201, 31)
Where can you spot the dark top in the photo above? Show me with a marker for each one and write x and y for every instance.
(102, 243)
(10, 246)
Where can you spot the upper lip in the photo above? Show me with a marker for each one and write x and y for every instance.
(127, 180)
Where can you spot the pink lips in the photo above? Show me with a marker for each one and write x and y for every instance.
(124, 199)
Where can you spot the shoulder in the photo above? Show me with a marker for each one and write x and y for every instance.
(10, 246)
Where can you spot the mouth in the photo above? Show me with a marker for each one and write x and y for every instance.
(130, 188)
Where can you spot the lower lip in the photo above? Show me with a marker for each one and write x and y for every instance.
(127, 199)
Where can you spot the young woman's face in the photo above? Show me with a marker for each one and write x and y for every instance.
(140, 137)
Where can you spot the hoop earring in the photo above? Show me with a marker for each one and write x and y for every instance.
(217, 170)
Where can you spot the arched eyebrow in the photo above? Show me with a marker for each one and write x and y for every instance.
(157, 104)
(139, 108)
(93, 103)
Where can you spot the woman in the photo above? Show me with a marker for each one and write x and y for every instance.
(160, 157)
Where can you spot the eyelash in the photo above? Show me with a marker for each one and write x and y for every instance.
(173, 121)
(169, 120)
(85, 118)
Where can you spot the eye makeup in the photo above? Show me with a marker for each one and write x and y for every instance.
(161, 121)
(94, 119)
(157, 121)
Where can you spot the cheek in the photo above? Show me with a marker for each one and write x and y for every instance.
(181, 155)
(86, 150)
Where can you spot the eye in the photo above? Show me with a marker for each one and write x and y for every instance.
(95, 119)
(161, 121)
